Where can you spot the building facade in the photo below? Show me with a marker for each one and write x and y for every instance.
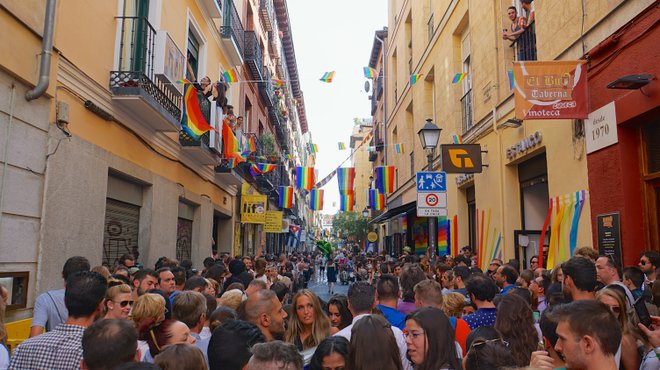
(97, 165)
(529, 163)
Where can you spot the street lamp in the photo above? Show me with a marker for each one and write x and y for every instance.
(429, 135)
(365, 212)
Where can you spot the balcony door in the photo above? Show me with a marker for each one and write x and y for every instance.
(135, 33)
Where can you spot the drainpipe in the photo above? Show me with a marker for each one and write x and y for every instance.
(500, 179)
(46, 53)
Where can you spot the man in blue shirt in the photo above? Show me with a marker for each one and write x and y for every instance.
(387, 289)
(505, 277)
(482, 291)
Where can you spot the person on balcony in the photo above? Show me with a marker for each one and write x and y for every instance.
(516, 25)
(527, 40)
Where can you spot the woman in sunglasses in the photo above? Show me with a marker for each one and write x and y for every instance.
(616, 301)
(430, 340)
(118, 300)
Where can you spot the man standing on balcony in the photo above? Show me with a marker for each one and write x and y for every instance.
(516, 25)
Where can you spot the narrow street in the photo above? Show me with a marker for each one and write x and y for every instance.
(318, 285)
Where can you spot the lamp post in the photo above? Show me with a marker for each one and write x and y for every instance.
(365, 212)
(429, 135)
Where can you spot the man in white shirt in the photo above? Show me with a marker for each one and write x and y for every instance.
(361, 301)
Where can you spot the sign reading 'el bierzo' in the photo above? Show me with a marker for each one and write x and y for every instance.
(461, 158)
(253, 209)
(550, 89)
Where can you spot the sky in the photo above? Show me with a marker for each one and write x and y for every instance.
(334, 36)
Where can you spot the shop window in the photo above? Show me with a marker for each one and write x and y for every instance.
(16, 284)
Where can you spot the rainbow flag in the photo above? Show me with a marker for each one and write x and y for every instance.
(232, 162)
(458, 77)
(345, 178)
(404, 224)
(328, 76)
(305, 178)
(341, 146)
(193, 122)
(230, 75)
(316, 199)
(286, 197)
(385, 179)
(252, 144)
(376, 200)
(277, 83)
(346, 202)
(313, 148)
(262, 168)
(288, 156)
(369, 72)
(231, 148)
(398, 148)
(183, 81)
(512, 82)
(443, 236)
(457, 139)
(414, 78)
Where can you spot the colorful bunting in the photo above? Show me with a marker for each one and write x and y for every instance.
(328, 76)
(183, 81)
(512, 82)
(305, 178)
(458, 77)
(193, 122)
(286, 197)
(376, 200)
(457, 139)
(230, 75)
(345, 178)
(369, 72)
(316, 199)
(341, 146)
(277, 83)
(252, 144)
(261, 168)
(398, 148)
(414, 78)
(313, 148)
(326, 180)
(385, 179)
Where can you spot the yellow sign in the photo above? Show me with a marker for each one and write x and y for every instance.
(253, 209)
(273, 222)
(372, 237)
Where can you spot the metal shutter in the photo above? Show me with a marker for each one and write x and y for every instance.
(121, 230)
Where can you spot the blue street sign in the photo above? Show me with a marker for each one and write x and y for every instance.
(431, 181)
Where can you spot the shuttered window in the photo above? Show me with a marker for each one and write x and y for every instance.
(121, 230)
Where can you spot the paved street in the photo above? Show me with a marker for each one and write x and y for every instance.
(319, 286)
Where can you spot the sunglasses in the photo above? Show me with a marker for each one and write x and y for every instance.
(124, 303)
(479, 342)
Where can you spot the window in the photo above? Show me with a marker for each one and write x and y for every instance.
(472, 210)
(135, 34)
(193, 57)
(16, 284)
(466, 100)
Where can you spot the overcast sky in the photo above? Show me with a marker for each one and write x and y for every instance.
(334, 36)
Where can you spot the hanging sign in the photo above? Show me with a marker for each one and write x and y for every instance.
(273, 222)
(600, 128)
(253, 209)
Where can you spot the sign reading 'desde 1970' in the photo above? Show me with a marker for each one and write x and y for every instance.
(600, 128)
(550, 89)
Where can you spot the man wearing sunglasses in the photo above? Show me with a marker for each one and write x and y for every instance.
(649, 263)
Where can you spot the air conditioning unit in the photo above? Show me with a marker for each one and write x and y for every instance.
(169, 62)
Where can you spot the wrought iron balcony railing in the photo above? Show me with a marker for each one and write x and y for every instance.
(232, 26)
(525, 45)
(253, 55)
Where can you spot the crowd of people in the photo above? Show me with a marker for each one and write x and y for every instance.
(409, 312)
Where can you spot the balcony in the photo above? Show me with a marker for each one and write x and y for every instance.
(232, 33)
(267, 14)
(373, 154)
(266, 92)
(466, 104)
(253, 55)
(525, 45)
(212, 7)
(283, 136)
(142, 85)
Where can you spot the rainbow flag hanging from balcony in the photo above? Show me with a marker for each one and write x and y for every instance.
(316, 199)
(376, 200)
(369, 72)
(345, 178)
(346, 202)
(459, 77)
(305, 178)
(398, 148)
(414, 78)
(183, 81)
(341, 146)
(286, 197)
(385, 179)
(230, 75)
(252, 144)
(261, 168)
(328, 76)
(230, 143)
(193, 122)
(277, 83)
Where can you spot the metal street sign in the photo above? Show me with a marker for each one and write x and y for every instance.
(431, 194)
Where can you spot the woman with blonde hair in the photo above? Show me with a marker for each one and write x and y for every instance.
(453, 304)
(148, 311)
(118, 300)
(308, 324)
(616, 301)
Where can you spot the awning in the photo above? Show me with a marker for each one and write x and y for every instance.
(394, 212)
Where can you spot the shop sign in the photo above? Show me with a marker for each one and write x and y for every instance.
(273, 222)
(524, 145)
(609, 236)
(600, 128)
(461, 158)
(550, 89)
(253, 209)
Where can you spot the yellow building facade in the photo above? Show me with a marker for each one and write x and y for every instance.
(362, 165)
(527, 163)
